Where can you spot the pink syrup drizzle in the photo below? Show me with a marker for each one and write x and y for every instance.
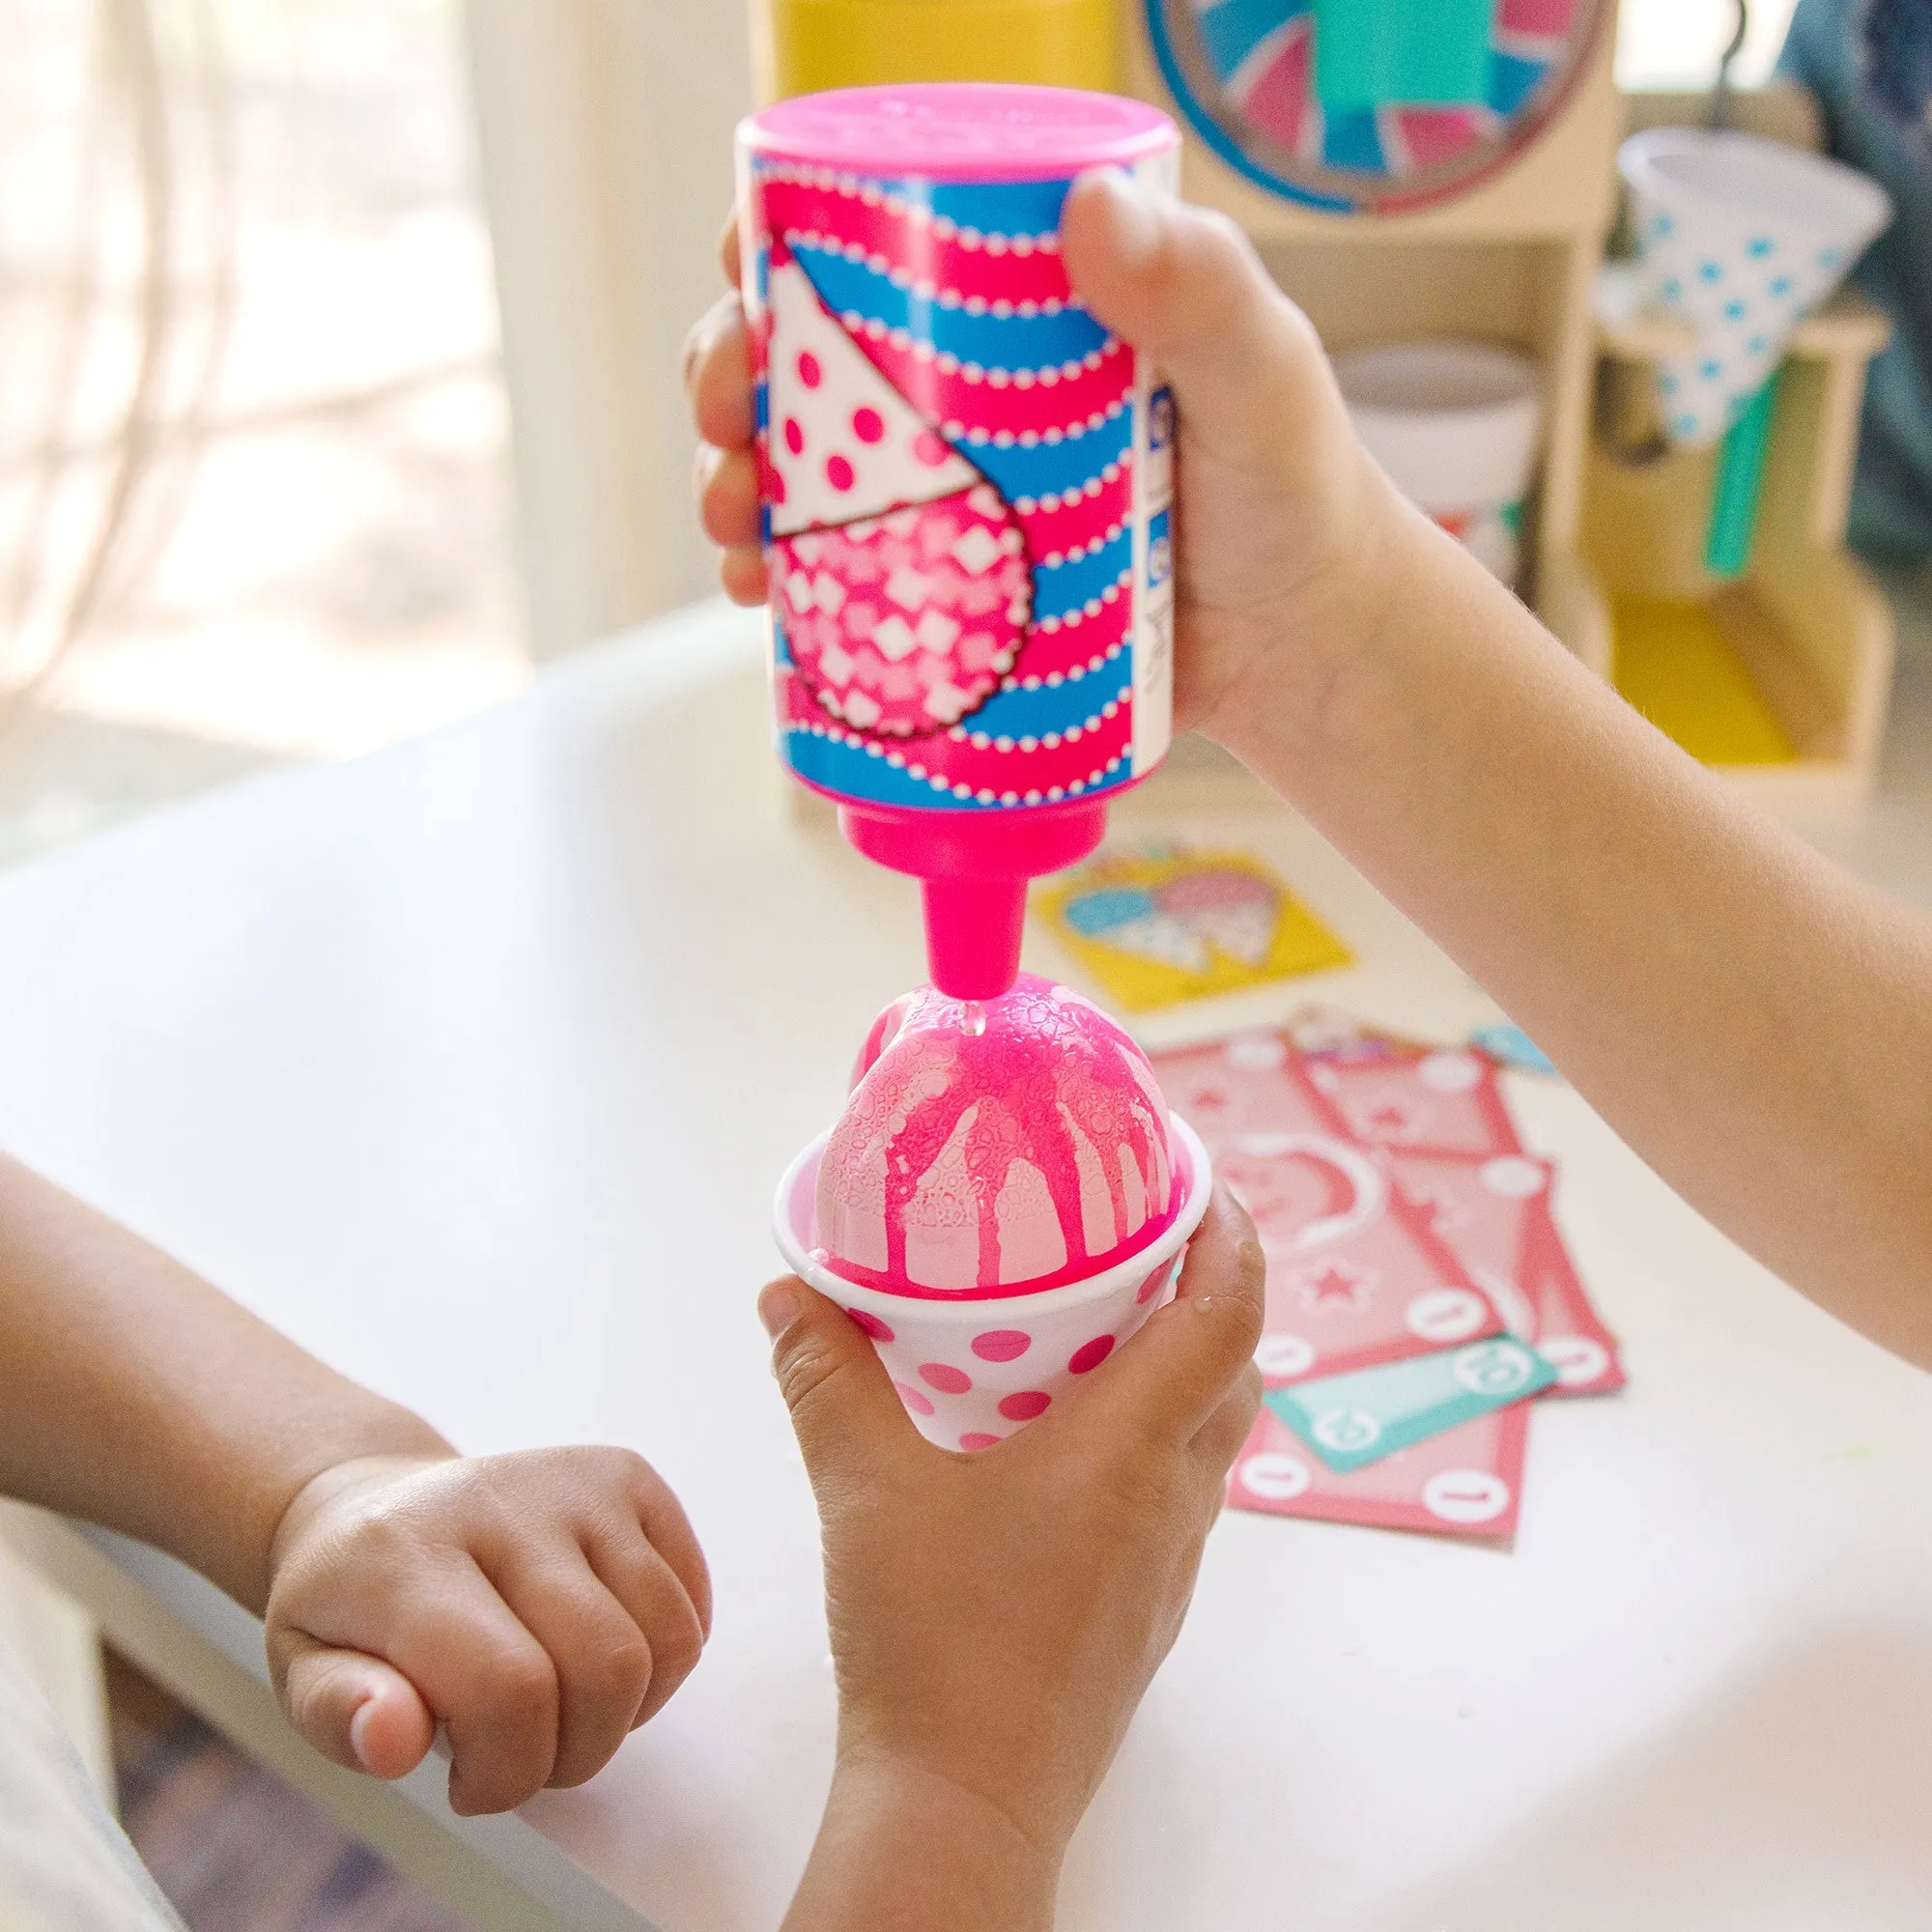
(1045, 1071)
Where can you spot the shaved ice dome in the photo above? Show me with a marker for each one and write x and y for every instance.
(1033, 1151)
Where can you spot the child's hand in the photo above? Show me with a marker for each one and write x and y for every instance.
(995, 1617)
(538, 1607)
(1282, 516)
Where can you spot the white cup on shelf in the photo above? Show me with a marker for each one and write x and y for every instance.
(1455, 425)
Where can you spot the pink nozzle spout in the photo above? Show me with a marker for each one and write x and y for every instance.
(974, 869)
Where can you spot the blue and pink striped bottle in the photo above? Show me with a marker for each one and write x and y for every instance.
(967, 484)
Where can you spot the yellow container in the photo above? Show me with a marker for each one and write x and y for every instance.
(819, 44)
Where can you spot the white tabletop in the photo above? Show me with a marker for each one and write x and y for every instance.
(472, 1066)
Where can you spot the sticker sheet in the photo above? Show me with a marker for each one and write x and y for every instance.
(1445, 1100)
(1356, 1275)
(1303, 1121)
(1161, 924)
(1466, 1482)
(1350, 1421)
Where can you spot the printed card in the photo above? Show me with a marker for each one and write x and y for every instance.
(1161, 924)
(1481, 1208)
(1356, 1275)
(1495, 1216)
(1350, 1421)
(1466, 1482)
(1570, 1332)
(1446, 1100)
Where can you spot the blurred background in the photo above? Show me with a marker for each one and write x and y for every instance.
(258, 491)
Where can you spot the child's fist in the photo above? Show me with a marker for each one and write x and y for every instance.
(537, 1607)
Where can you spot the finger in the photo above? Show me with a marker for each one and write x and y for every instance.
(356, 1710)
(843, 1409)
(1174, 1373)
(668, 1532)
(485, 1678)
(657, 1596)
(718, 376)
(729, 256)
(727, 496)
(1219, 1439)
(1184, 287)
(602, 1660)
(742, 573)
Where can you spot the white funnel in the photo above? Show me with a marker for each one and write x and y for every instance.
(1741, 238)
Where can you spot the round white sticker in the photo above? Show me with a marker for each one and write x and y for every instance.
(1576, 1359)
(1276, 1477)
(1466, 1495)
(1284, 1356)
(1494, 1369)
(1257, 1052)
(1345, 1429)
(1451, 1072)
(1445, 1314)
(1513, 1176)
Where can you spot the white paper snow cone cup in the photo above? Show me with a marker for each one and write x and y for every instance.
(971, 1369)
(1741, 238)
(1455, 425)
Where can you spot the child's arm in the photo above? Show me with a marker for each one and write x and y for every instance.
(1753, 1021)
(1756, 1024)
(538, 1606)
(995, 1617)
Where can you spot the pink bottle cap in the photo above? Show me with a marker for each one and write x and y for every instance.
(960, 130)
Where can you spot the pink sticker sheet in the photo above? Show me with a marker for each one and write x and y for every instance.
(1298, 1119)
(1356, 1275)
(1466, 1482)
(1445, 1100)
(1494, 1215)
(1571, 1334)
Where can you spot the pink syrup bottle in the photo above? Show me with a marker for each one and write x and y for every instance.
(967, 487)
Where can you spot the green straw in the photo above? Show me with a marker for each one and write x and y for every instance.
(1734, 495)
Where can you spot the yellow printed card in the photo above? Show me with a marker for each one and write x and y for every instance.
(1164, 924)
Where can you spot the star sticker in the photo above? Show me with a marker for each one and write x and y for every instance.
(1337, 1284)
(1442, 1211)
(1391, 1121)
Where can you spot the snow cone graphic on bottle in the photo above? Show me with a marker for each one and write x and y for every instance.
(966, 482)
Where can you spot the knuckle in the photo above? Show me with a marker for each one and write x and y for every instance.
(1249, 1388)
(1250, 1260)
(626, 1668)
(805, 1368)
(674, 1655)
(523, 1687)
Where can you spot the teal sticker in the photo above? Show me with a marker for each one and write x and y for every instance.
(1512, 1047)
(1357, 1419)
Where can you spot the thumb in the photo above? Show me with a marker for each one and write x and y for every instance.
(356, 1710)
(1186, 288)
(843, 1408)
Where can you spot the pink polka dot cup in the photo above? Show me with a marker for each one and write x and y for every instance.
(972, 1367)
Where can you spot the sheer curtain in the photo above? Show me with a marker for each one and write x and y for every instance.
(604, 131)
